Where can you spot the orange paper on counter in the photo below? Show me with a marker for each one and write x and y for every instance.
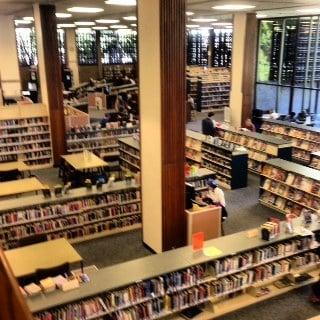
(197, 241)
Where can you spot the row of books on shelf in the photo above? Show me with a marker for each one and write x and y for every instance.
(217, 160)
(151, 305)
(294, 194)
(129, 158)
(294, 180)
(223, 174)
(315, 162)
(22, 148)
(220, 143)
(11, 237)
(24, 121)
(194, 144)
(301, 155)
(291, 132)
(193, 155)
(129, 149)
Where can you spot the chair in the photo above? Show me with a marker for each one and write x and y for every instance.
(10, 175)
(53, 272)
(35, 238)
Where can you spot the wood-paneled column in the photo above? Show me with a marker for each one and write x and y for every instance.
(243, 70)
(50, 74)
(161, 32)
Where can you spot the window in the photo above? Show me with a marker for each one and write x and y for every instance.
(197, 47)
(62, 45)
(26, 46)
(288, 65)
(221, 47)
(87, 46)
(118, 47)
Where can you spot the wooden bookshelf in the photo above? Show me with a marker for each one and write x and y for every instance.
(25, 135)
(80, 215)
(129, 148)
(225, 159)
(261, 147)
(288, 187)
(315, 160)
(200, 179)
(305, 139)
(256, 262)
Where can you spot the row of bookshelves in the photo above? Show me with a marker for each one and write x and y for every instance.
(225, 159)
(74, 216)
(129, 148)
(25, 135)
(167, 285)
(305, 139)
(290, 188)
(260, 147)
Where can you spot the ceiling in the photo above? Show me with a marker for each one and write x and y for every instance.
(201, 8)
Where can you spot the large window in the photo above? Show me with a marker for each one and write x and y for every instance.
(118, 47)
(26, 46)
(221, 47)
(288, 67)
(197, 47)
(87, 46)
(62, 45)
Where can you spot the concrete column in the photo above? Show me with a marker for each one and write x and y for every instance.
(72, 54)
(9, 63)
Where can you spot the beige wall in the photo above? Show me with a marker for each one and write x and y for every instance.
(150, 111)
(9, 65)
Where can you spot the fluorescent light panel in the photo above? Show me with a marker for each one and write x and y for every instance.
(133, 24)
(85, 9)
(130, 18)
(233, 7)
(204, 20)
(260, 16)
(189, 13)
(118, 26)
(63, 15)
(22, 22)
(121, 2)
(222, 24)
(66, 25)
(100, 28)
(192, 26)
(84, 23)
(107, 21)
(28, 18)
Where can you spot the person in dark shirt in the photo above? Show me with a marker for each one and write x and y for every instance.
(209, 125)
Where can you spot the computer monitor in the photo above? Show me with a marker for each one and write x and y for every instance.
(190, 195)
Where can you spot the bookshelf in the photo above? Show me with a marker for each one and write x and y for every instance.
(315, 160)
(102, 141)
(25, 135)
(209, 87)
(225, 159)
(261, 147)
(200, 178)
(80, 215)
(288, 187)
(305, 139)
(163, 289)
(129, 148)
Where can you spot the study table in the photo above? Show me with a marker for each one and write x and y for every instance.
(26, 260)
(20, 186)
(14, 165)
(84, 161)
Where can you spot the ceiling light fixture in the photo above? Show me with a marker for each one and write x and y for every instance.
(189, 13)
(100, 28)
(22, 22)
(309, 10)
(107, 21)
(84, 30)
(66, 25)
(85, 9)
(121, 2)
(233, 7)
(84, 23)
(222, 24)
(260, 16)
(118, 26)
(192, 26)
(63, 15)
(133, 24)
(130, 18)
(204, 20)
(28, 18)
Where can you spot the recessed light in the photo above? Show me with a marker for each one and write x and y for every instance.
(22, 22)
(63, 15)
(260, 16)
(66, 25)
(189, 13)
(84, 29)
(85, 9)
(28, 18)
(133, 24)
(222, 24)
(118, 26)
(233, 7)
(205, 28)
(192, 26)
(122, 2)
(100, 28)
(204, 20)
(309, 10)
(84, 23)
(130, 18)
(107, 21)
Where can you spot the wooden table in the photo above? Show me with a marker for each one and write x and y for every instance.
(84, 161)
(20, 186)
(19, 165)
(26, 260)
